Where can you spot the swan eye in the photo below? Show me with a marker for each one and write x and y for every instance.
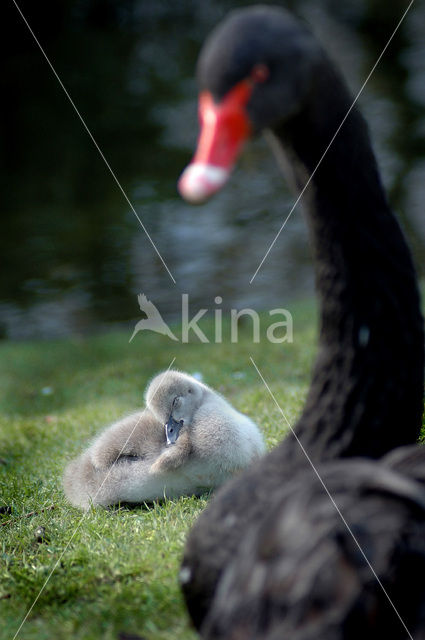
(260, 73)
(130, 457)
(189, 390)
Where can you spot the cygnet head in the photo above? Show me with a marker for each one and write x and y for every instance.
(174, 397)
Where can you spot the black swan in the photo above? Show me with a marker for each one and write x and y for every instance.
(263, 69)
(301, 575)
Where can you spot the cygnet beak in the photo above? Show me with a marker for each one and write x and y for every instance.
(172, 429)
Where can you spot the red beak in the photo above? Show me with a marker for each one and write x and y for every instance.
(224, 128)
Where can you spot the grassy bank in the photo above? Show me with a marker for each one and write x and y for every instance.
(116, 569)
(116, 572)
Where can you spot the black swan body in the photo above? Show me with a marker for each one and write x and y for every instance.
(263, 70)
(301, 574)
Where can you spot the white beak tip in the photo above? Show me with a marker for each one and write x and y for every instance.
(200, 181)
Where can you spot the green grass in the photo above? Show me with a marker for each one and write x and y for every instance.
(115, 570)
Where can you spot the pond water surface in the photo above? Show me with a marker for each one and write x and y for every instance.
(75, 256)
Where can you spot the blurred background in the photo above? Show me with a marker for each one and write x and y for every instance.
(73, 256)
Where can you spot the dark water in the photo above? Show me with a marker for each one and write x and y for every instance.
(74, 255)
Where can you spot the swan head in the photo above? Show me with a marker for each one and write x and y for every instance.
(174, 397)
(255, 71)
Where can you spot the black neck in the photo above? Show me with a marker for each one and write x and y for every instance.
(366, 395)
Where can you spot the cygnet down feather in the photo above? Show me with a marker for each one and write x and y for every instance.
(189, 439)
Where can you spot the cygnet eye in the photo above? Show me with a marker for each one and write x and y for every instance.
(189, 390)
